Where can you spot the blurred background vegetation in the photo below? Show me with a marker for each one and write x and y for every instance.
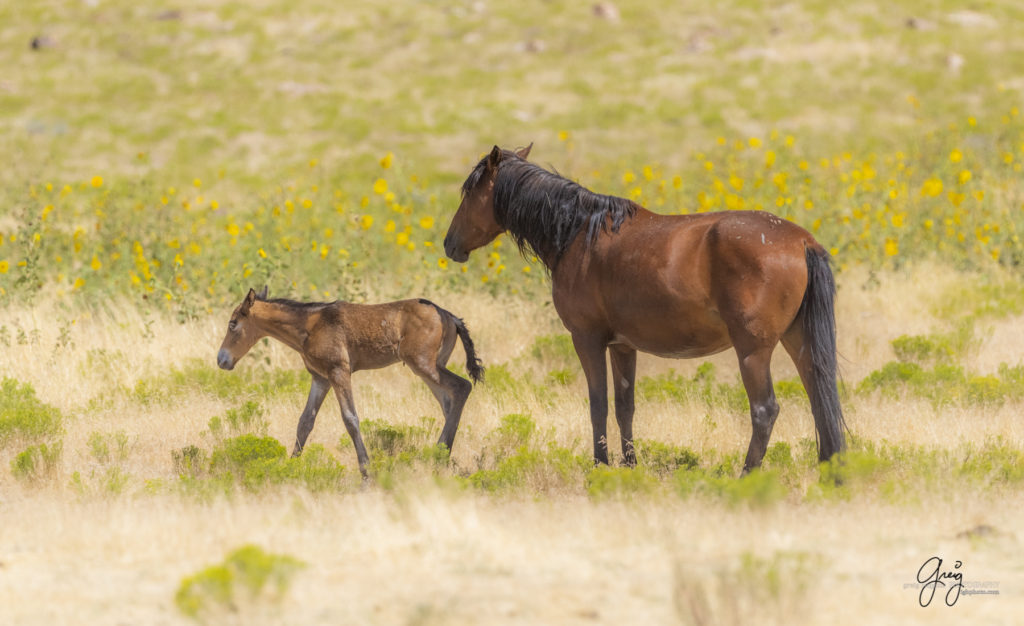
(176, 154)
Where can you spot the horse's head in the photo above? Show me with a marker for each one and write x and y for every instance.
(242, 332)
(475, 223)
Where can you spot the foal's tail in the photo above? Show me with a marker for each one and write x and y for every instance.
(473, 365)
(819, 326)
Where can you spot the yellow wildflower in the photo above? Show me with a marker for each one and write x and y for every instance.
(366, 222)
(97, 181)
(380, 186)
(956, 156)
(96, 263)
(4, 266)
(427, 222)
(892, 247)
(442, 263)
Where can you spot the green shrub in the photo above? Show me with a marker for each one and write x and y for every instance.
(539, 469)
(701, 388)
(200, 376)
(316, 469)
(935, 347)
(381, 438)
(259, 462)
(501, 381)
(245, 419)
(234, 455)
(554, 349)
(790, 389)
(562, 377)
(994, 462)
(37, 463)
(248, 575)
(943, 384)
(662, 458)
(759, 488)
(608, 482)
(23, 416)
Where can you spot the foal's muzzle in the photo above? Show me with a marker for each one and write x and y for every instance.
(224, 360)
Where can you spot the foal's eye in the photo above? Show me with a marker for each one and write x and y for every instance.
(232, 325)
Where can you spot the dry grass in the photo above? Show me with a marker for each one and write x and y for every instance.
(426, 555)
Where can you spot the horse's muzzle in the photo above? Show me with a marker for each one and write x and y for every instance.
(224, 360)
(453, 252)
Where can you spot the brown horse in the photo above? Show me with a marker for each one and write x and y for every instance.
(625, 279)
(336, 339)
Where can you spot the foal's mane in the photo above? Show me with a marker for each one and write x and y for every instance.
(543, 211)
(293, 303)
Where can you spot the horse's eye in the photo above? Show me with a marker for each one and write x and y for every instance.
(232, 325)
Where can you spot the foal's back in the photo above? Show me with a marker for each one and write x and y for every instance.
(371, 336)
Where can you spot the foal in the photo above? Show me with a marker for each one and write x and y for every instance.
(336, 339)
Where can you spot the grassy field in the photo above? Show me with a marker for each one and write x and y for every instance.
(162, 160)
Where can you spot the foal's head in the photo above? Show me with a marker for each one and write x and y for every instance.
(475, 224)
(242, 332)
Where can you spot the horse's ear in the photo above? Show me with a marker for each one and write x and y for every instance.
(522, 153)
(494, 157)
(262, 295)
(249, 299)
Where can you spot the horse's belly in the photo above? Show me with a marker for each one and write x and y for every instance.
(682, 345)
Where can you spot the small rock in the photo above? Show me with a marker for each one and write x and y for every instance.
(168, 15)
(42, 41)
(606, 11)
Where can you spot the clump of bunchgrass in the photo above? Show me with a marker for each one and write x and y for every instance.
(23, 416)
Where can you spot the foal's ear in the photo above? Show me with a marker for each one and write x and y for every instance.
(494, 158)
(522, 153)
(262, 295)
(249, 299)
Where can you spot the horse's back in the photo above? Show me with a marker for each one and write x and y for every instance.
(686, 285)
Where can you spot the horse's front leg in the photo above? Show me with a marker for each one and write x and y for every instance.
(623, 376)
(341, 380)
(317, 392)
(591, 353)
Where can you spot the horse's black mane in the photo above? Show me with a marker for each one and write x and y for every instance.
(544, 212)
(294, 303)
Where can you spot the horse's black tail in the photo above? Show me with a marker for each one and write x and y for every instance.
(819, 326)
(473, 365)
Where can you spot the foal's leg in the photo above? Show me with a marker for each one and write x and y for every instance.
(591, 353)
(451, 392)
(623, 375)
(317, 393)
(755, 368)
(341, 380)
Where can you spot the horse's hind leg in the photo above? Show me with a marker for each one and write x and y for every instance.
(451, 392)
(317, 392)
(755, 368)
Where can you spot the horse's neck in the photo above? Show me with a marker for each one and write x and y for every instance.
(283, 323)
